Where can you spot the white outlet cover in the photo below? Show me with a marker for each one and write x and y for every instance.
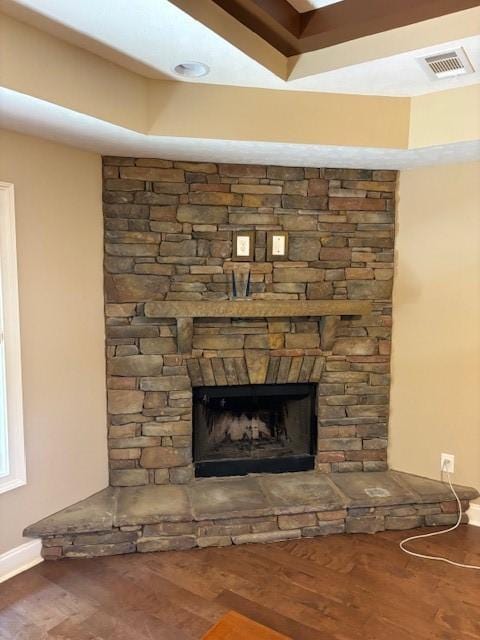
(450, 459)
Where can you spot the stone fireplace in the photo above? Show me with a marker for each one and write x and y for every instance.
(264, 428)
(293, 377)
(319, 318)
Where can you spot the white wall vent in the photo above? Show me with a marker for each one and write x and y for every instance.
(447, 64)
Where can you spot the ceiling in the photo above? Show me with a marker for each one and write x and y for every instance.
(30, 115)
(164, 36)
(56, 89)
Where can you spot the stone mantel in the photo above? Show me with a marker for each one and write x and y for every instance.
(185, 312)
(256, 308)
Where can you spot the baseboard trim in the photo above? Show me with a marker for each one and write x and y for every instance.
(20, 559)
(474, 514)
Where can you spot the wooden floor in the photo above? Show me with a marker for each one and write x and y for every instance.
(356, 587)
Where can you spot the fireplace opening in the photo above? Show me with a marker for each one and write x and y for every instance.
(254, 429)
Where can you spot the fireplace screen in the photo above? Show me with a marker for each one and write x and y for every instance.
(253, 429)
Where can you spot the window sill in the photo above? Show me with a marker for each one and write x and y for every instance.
(8, 484)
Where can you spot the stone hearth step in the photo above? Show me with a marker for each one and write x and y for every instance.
(237, 510)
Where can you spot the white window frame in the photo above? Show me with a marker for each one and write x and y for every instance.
(15, 474)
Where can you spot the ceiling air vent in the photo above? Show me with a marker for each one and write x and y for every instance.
(447, 64)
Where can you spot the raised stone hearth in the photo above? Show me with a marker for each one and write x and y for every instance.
(267, 508)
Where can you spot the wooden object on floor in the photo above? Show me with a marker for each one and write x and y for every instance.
(234, 626)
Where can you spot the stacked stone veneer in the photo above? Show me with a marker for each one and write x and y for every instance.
(168, 236)
(174, 535)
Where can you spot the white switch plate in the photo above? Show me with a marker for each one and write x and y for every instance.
(447, 462)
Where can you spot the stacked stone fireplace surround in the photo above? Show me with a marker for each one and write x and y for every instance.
(168, 237)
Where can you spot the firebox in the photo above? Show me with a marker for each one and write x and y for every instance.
(254, 429)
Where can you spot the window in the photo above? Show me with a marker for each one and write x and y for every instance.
(12, 454)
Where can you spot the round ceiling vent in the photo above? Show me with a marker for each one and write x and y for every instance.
(192, 69)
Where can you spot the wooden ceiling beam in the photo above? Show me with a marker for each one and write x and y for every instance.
(292, 32)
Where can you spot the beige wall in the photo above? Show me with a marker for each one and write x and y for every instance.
(435, 405)
(59, 240)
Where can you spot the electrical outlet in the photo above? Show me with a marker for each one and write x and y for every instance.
(447, 462)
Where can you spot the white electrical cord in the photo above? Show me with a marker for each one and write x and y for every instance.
(438, 533)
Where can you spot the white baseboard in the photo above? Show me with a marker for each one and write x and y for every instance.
(474, 514)
(20, 559)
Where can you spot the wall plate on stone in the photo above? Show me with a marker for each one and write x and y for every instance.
(277, 245)
(377, 492)
(244, 245)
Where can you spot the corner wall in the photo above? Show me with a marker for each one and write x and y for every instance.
(59, 246)
(435, 397)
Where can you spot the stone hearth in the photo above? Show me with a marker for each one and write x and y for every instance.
(225, 511)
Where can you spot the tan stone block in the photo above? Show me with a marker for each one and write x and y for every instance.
(297, 222)
(135, 288)
(252, 218)
(218, 341)
(303, 248)
(319, 290)
(296, 187)
(332, 254)
(128, 477)
(136, 365)
(297, 521)
(120, 310)
(355, 346)
(257, 365)
(128, 430)
(158, 345)
(302, 340)
(371, 289)
(370, 185)
(303, 202)
(302, 274)
(261, 200)
(184, 248)
(197, 167)
(164, 457)
(198, 214)
(125, 401)
(215, 198)
(383, 274)
(285, 173)
(214, 541)
(132, 249)
(165, 383)
(359, 274)
(165, 227)
(242, 170)
(289, 287)
(256, 188)
(167, 543)
(366, 217)
(166, 429)
(123, 185)
(384, 175)
(356, 204)
(318, 187)
(124, 454)
(264, 341)
(163, 213)
(152, 174)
